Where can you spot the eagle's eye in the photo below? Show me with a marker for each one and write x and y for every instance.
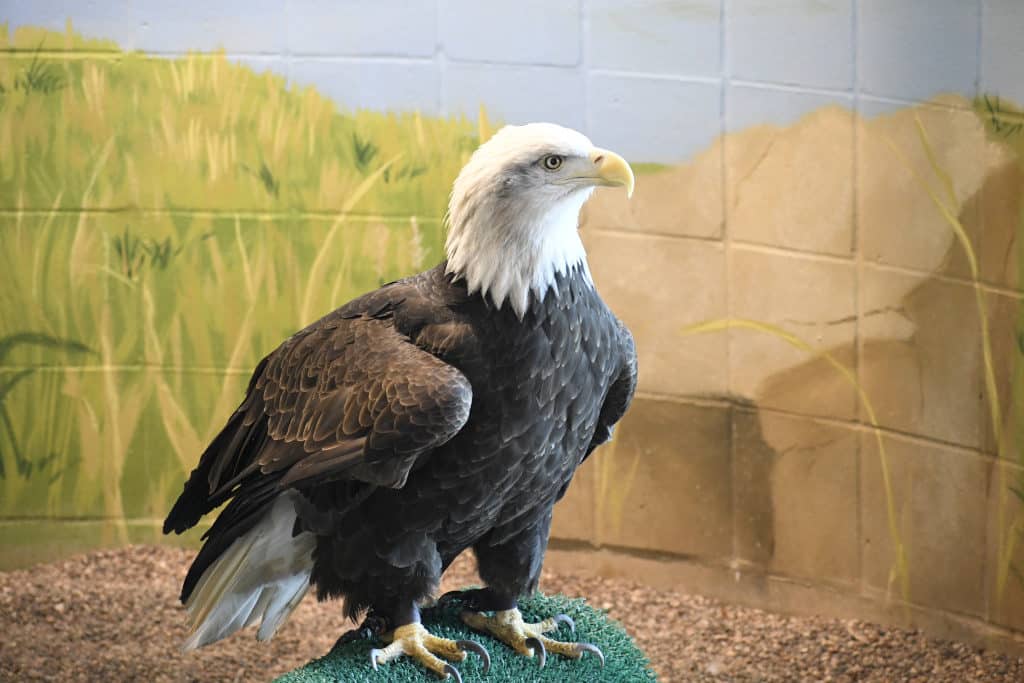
(552, 162)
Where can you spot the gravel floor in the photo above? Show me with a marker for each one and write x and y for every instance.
(113, 616)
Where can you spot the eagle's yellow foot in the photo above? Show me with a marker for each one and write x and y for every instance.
(529, 639)
(415, 641)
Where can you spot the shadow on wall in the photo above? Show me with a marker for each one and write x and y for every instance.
(168, 221)
(873, 319)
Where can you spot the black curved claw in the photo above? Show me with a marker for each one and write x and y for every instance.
(476, 647)
(539, 650)
(567, 620)
(592, 649)
(373, 658)
(450, 670)
(468, 598)
(371, 627)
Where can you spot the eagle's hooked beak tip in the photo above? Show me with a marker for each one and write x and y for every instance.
(613, 170)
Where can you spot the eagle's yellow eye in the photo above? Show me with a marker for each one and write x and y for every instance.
(552, 162)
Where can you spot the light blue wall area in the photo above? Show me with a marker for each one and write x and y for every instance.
(517, 94)
(792, 42)
(914, 49)
(513, 31)
(96, 19)
(656, 36)
(627, 112)
(750, 105)
(362, 27)
(382, 85)
(237, 26)
(659, 78)
(1002, 48)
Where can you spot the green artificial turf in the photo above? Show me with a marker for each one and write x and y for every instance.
(624, 662)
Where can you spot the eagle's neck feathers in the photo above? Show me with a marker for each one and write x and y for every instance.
(505, 250)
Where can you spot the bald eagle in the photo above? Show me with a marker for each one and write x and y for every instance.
(443, 412)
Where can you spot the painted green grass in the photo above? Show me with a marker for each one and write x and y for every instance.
(166, 222)
(625, 662)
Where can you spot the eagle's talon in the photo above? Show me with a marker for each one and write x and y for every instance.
(565, 619)
(479, 649)
(417, 643)
(529, 639)
(592, 649)
(537, 645)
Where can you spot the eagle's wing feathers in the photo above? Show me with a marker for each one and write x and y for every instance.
(362, 403)
(349, 397)
(620, 394)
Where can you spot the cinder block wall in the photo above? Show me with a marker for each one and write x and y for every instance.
(830, 397)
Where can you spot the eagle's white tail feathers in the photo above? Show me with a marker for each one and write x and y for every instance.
(263, 575)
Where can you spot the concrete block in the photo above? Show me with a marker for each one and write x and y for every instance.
(362, 28)
(523, 32)
(809, 297)
(915, 49)
(939, 501)
(679, 200)
(1002, 50)
(921, 359)
(236, 26)
(111, 20)
(807, 472)
(899, 222)
(665, 484)
(377, 84)
(516, 94)
(1001, 215)
(658, 286)
(790, 186)
(793, 43)
(654, 119)
(1005, 558)
(679, 39)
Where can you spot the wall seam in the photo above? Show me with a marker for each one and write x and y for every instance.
(858, 299)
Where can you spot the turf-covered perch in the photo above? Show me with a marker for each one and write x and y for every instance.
(350, 663)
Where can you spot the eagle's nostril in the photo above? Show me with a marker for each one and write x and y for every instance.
(599, 158)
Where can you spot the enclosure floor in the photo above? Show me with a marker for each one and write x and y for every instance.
(114, 616)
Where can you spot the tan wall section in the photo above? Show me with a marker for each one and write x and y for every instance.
(817, 386)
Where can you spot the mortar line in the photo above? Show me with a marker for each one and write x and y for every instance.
(855, 235)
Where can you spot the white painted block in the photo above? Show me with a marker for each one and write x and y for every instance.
(806, 44)
(915, 49)
(654, 119)
(517, 94)
(545, 32)
(362, 27)
(237, 26)
(676, 38)
(1002, 49)
(377, 84)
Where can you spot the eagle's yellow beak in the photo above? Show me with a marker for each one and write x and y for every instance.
(612, 170)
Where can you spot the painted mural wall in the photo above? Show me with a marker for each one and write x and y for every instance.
(821, 263)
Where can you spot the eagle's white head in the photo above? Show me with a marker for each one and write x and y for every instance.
(513, 216)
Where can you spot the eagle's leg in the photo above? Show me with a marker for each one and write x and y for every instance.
(511, 569)
(411, 639)
(373, 626)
